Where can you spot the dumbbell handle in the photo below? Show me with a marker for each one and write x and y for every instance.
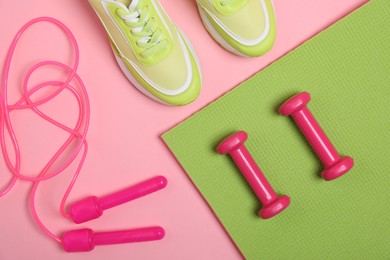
(316, 136)
(335, 165)
(272, 203)
(253, 175)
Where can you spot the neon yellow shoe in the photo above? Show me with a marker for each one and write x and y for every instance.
(244, 27)
(151, 51)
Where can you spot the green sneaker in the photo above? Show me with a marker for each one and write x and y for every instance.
(151, 51)
(244, 27)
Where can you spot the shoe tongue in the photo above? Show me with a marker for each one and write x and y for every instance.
(131, 4)
(125, 2)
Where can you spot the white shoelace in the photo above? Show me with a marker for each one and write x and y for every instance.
(143, 26)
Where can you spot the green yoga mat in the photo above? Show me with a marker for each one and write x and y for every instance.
(346, 68)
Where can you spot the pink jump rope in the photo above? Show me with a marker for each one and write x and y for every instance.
(91, 207)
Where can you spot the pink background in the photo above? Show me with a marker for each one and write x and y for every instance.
(124, 141)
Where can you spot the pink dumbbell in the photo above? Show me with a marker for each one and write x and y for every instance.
(272, 203)
(84, 240)
(335, 166)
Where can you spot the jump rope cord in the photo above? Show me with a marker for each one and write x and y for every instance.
(77, 134)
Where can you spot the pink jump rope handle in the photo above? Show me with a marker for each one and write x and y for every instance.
(93, 207)
(84, 240)
(272, 203)
(335, 166)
